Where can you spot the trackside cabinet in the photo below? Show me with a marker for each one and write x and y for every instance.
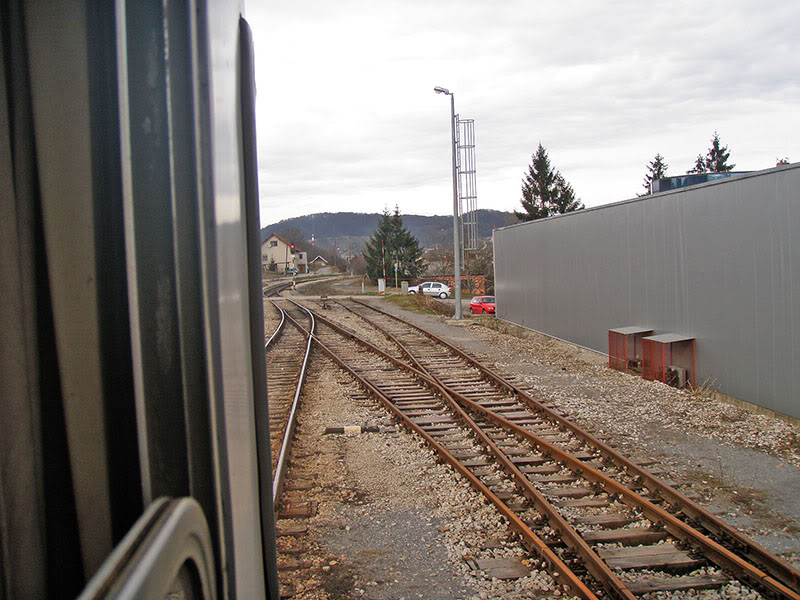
(625, 347)
(669, 358)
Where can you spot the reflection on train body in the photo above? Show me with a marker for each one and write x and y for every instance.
(132, 362)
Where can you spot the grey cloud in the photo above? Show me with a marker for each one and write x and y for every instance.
(603, 85)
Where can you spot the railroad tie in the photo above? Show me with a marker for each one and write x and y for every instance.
(658, 557)
(674, 584)
(584, 503)
(552, 478)
(527, 460)
(607, 520)
(634, 536)
(578, 491)
(298, 511)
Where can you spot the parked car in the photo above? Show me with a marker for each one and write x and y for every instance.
(292, 271)
(431, 288)
(482, 305)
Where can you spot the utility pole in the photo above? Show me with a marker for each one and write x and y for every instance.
(456, 222)
(383, 259)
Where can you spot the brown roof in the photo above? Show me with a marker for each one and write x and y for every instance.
(280, 237)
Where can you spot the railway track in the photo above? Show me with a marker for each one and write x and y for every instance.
(271, 291)
(274, 290)
(288, 349)
(600, 522)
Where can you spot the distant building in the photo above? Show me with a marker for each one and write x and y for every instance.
(682, 181)
(318, 263)
(279, 254)
(301, 262)
(349, 254)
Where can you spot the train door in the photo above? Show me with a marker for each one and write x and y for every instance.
(134, 433)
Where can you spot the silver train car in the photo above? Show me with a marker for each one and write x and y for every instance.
(134, 444)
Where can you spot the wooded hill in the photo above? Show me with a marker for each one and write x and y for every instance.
(348, 230)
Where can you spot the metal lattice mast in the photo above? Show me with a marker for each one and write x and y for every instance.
(467, 189)
(458, 204)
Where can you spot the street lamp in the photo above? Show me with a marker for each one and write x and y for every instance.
(456, 224)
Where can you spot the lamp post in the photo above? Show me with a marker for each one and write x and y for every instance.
(456, 224)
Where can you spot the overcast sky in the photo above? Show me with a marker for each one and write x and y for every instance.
(348, 120)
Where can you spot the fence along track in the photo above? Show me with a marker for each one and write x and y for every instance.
(599, 482)
(288, 351)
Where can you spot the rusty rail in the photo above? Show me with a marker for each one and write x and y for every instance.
(279, 328)
(780, 572)
(288, 434)
(594, 564)
(532, 541)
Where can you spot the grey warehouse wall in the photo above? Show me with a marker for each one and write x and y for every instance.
(719, 261)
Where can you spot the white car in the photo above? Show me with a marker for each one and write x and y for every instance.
(431, 288)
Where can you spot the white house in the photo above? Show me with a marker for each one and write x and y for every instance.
(279, 254)
(317, 263)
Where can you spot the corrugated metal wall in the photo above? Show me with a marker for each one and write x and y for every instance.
(720, 262)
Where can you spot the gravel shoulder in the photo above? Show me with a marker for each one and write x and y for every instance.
(272, 318)
(340, 284)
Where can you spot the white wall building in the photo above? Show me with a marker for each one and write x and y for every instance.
(279, 254)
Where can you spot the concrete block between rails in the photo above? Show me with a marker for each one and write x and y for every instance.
(358, 429)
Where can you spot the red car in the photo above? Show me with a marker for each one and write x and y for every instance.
(482, 304)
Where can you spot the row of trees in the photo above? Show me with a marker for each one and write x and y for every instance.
(545, 191)
(393, 245)
(715, 161)
(476, 262)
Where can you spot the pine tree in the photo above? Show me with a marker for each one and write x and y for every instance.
(717, 157)
(545, 192)
(392, 243)
(375, 248)
(537, 187)
(405, 250)
(657, 169)
(699, 165)
(564, 200)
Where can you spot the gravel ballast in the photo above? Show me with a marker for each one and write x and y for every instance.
(395, 523)
(745, 465)
(392, 521)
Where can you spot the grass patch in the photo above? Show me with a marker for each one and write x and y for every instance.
(421, 304)
(490, 322)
